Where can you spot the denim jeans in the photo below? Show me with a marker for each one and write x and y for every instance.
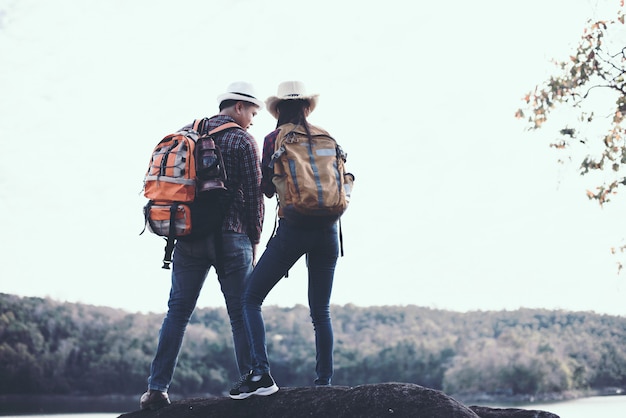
(190, 265)
(284, 249)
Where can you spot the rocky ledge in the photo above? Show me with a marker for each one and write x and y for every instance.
(365, 401)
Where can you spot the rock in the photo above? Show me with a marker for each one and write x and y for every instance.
(366, 401)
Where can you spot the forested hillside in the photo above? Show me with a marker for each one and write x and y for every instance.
(65, 348)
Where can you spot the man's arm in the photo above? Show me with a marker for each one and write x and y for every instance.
(254, 205)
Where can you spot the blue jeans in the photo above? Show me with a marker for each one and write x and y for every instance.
(190, 266)
(284, 249)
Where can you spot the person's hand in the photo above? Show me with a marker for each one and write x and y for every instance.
(254, 253)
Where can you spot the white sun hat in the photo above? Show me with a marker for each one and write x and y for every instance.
(290, 90)
(240, 90)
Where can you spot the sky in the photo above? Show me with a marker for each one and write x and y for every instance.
(455, 205)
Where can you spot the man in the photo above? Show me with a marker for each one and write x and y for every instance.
(232, 254)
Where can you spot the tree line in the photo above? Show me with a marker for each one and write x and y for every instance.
(52, 347)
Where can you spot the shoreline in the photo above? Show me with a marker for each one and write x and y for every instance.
(510, 400)
(118, 403)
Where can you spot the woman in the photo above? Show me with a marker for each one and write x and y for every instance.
(314, 236)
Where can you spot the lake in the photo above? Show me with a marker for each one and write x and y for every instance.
(599, 406)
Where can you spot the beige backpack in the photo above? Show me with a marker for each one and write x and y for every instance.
(310, 176)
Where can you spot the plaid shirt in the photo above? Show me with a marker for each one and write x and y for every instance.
(241, 160)
(268, 150)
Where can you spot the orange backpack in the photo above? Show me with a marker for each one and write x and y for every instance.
(185, 179)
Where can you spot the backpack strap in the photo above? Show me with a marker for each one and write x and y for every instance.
(196, 124)
(200, 125)
(224, 126)
(340, 237)
(170, 240)
(169, 246)
(275, 157)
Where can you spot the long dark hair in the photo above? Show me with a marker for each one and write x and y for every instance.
(292, 111)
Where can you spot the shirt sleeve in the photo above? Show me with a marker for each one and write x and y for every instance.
(254, 207)
(268, 150)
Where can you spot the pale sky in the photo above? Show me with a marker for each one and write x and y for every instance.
(455, 205)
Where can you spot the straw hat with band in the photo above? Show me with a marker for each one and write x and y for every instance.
(290, 90)
(240, 90)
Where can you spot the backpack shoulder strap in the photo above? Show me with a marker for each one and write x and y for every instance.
(200, 125)
(223, 127)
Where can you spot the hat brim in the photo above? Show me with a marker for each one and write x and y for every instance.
(235, 96)
(272, 102)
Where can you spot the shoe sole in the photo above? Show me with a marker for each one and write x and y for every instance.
(154, 406)
(259, 392)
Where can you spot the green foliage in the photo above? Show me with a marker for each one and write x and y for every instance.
(52, 347)
(598, 64)
(592, 82)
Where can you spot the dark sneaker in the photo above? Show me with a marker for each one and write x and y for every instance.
(154, 399)
(246, 387)
(322, 382)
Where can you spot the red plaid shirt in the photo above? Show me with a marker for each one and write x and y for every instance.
(268, 150)
(242, 162)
